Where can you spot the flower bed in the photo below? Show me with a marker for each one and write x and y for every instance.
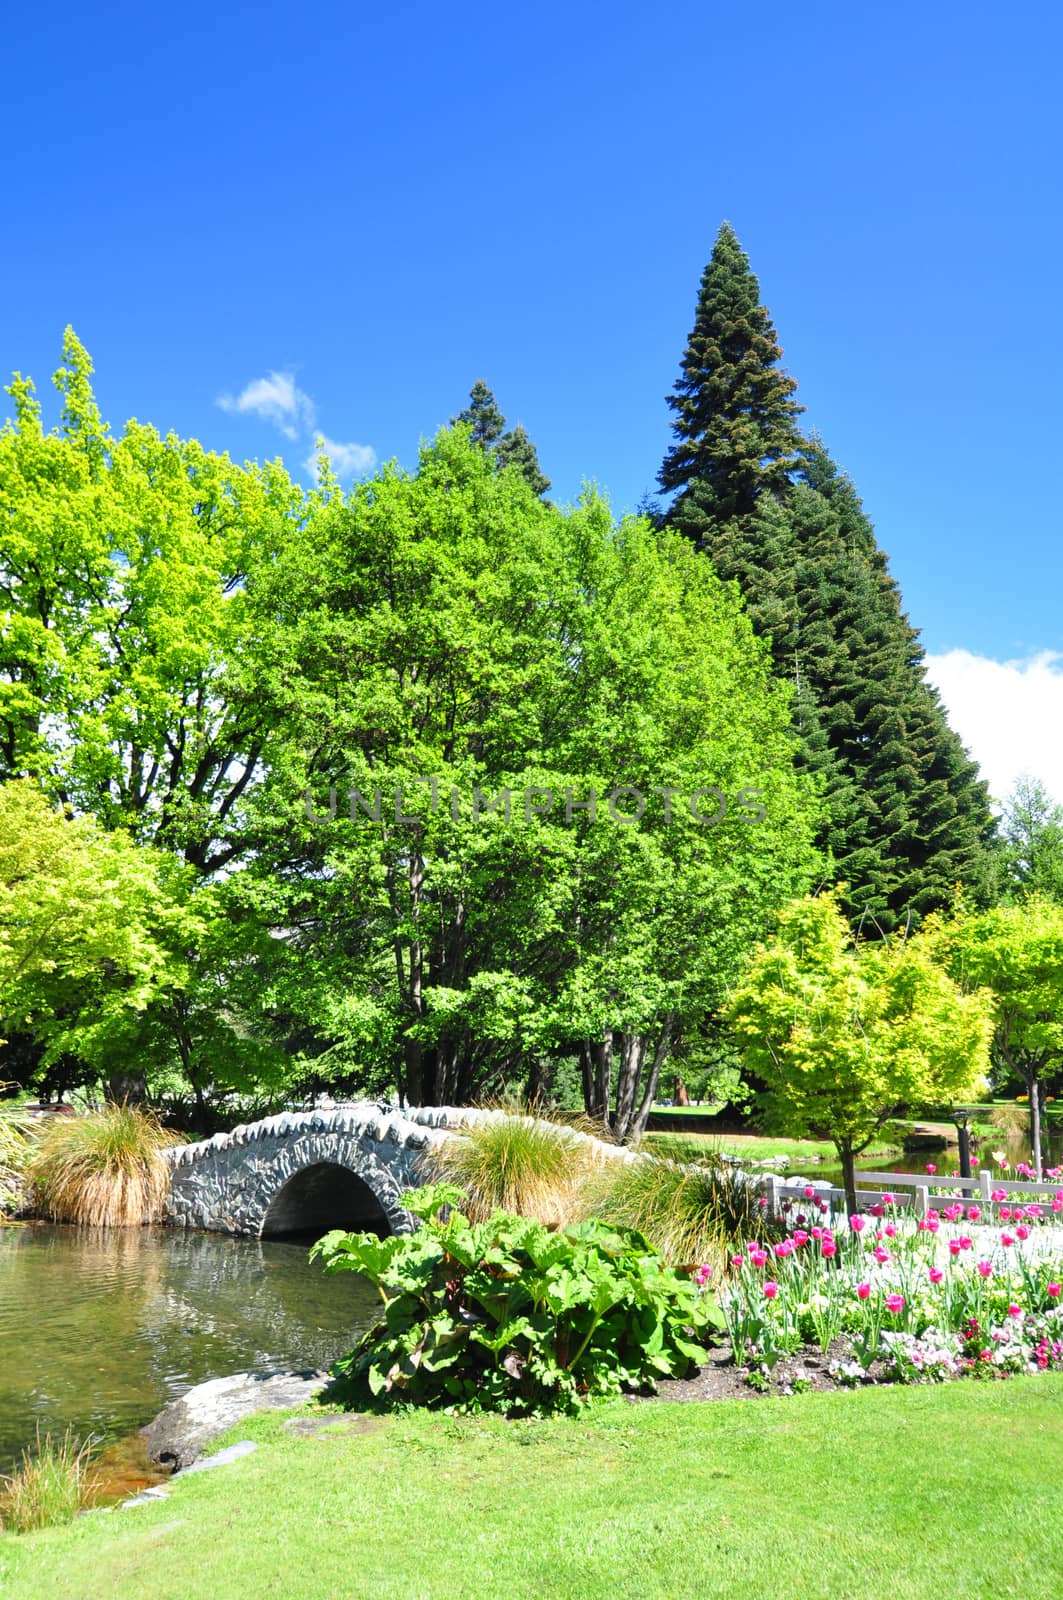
(886, 1298)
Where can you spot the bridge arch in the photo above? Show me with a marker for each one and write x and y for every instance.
(321, 1196)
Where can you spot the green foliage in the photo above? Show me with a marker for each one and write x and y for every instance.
(448, 625)
(1016, 952)
(15, 1147)
(105, 1169)
(526, 1165)
(906, 816)
(844, 1033)
(513, 449)
(74, 900)
(1032, 850)
(735, 416)
(50, 1486)
(506, 1315)
(693, 1214)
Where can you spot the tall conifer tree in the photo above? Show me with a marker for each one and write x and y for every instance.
(507, 449)
(909, 817)
(735, 414)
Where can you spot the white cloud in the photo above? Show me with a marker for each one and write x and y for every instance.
(345, 458)
(277, 399)
(1008, 714)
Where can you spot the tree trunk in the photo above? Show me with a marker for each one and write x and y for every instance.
(1034, 1086)
(632, 1056)
(596, 1066)
(848, 1176)
(660, 1055)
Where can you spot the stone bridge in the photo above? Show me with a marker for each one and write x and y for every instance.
(305, 1172)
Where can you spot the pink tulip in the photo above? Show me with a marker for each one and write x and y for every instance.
(828, 1249)
(975, 1161)
(863, 1290)
(758, 1257)
(930, 1167)
(810, 1193)
(1014, 1310)
(1007, 1240)
(894, 1303)
(800, 1237)
(999, 1194)
(889, 1199)
(890, 1231)
(1054, 1291)
(954, 1247)
(857, 1223)
(973, 1214)
(880, 1254)
(1022, 1231)
(784, 1248)
(985, 1268)
(965, 1241)
(817, 1232)
(736, 1261)
(770, 1289)
(936, 1274)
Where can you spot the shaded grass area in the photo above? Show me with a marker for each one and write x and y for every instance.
(911, 1493)
(753, 1147)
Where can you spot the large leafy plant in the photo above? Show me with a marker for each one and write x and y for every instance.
(507, 1315)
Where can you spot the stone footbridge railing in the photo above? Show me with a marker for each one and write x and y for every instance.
(307, 1171)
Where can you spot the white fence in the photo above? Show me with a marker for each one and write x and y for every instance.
(911, 1191)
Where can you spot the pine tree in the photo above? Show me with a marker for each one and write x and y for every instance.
(735, 415)
(508, 449)
(908, 816)
(483, 413)
(515, 449)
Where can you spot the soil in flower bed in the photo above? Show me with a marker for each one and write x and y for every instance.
(807, 1371)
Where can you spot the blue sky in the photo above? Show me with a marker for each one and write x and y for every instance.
(381, 205)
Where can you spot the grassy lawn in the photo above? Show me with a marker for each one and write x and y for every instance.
(911, 1493)
(755, 1147)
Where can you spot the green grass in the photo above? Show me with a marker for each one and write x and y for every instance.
(751, 1147)
(915, 1494)
(49, 1486)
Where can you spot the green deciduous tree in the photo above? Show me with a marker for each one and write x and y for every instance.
(1016, 952)
(75, 902)
(450, 626)
(843, 1033)
(1032, 849)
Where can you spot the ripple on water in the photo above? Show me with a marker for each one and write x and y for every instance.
(100, 1329)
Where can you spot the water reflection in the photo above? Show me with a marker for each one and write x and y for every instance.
(101, 1328)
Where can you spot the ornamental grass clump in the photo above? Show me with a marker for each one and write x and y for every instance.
(106, 1169)
(694, 1215)
(49, 1487)
(15, 1149)
(523, 1164)
(508, 1315)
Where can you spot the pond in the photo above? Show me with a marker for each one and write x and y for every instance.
(100, 1330)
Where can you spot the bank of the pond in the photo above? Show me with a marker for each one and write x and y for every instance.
(100, 1329)
(916, 1493)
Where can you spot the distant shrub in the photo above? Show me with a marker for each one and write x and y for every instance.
(105, 1169)
(507, 1315)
